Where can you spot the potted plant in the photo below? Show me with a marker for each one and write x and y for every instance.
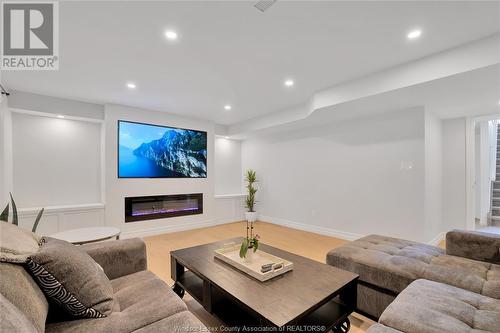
(4, 216)
(251, 178)
(251, 241)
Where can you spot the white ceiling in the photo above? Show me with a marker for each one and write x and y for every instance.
(472, 93)
(229, 52)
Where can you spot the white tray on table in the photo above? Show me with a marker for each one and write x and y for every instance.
(230, 254)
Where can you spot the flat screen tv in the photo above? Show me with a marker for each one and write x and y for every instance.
(153, 151)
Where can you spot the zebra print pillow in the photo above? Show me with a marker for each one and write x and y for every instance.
(56, 292)
(70, 278)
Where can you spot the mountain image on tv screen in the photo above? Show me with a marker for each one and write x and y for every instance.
(152, 151)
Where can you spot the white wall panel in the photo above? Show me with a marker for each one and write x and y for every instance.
(227, 169)
(55, 161)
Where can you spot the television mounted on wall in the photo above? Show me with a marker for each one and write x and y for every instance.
(155, 151)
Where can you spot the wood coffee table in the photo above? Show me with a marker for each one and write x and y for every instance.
(313, 297)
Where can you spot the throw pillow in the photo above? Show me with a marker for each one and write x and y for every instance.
(16, 244)
(72, 279)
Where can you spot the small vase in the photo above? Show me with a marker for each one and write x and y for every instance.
(251, 216)
(250, 255)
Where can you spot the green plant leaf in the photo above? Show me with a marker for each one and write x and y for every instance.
(250, 178)
(255, 245)
(5, 214)
(39, 216)
(249, 203)
(244, 248)
(15, 219)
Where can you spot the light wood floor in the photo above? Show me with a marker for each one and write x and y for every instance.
(306, 244)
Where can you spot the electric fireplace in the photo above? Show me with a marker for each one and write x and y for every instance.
(162, 206)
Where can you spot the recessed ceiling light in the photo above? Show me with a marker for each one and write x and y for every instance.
(414, 34)
(226, 137)
(131, 85)
(60, 116)
(171, 35)
(227, 107)
(289, 83)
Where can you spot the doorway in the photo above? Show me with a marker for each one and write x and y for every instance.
(486, 185)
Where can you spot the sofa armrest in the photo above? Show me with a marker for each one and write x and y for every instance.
(120, 257)
(474, 245)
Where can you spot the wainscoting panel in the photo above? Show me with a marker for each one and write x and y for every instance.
(229, 208)
(61, 218)
(76, 220)
(49, 224)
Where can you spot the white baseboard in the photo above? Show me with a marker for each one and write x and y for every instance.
(311, 228)
(171, 228)
(229, 220)
(436, 240)
(264, 218)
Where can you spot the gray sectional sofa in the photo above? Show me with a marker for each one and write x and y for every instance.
(416, 288)
(144, 303)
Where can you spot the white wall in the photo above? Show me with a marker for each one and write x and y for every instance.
(229, 208)
(56, 161)
(42, 103)
(454, 174)
(7, 164)
(228, 174)
(433, 177)
(229, 203)
(3, 109)
(117, 189)
(350, 179)
(4, 113)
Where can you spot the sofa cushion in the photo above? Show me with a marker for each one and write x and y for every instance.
(379, 328)
(432, 307)
(141, 288)
(392, 264)
(16, 244)
(143, 300)
(371, 301)
(119, 258)
(479, 277)
(17, 286)
(12, 320)
(474, 245)
(72, 279)
(183, 321)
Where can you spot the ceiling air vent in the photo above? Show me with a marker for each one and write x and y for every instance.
(264, 5)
